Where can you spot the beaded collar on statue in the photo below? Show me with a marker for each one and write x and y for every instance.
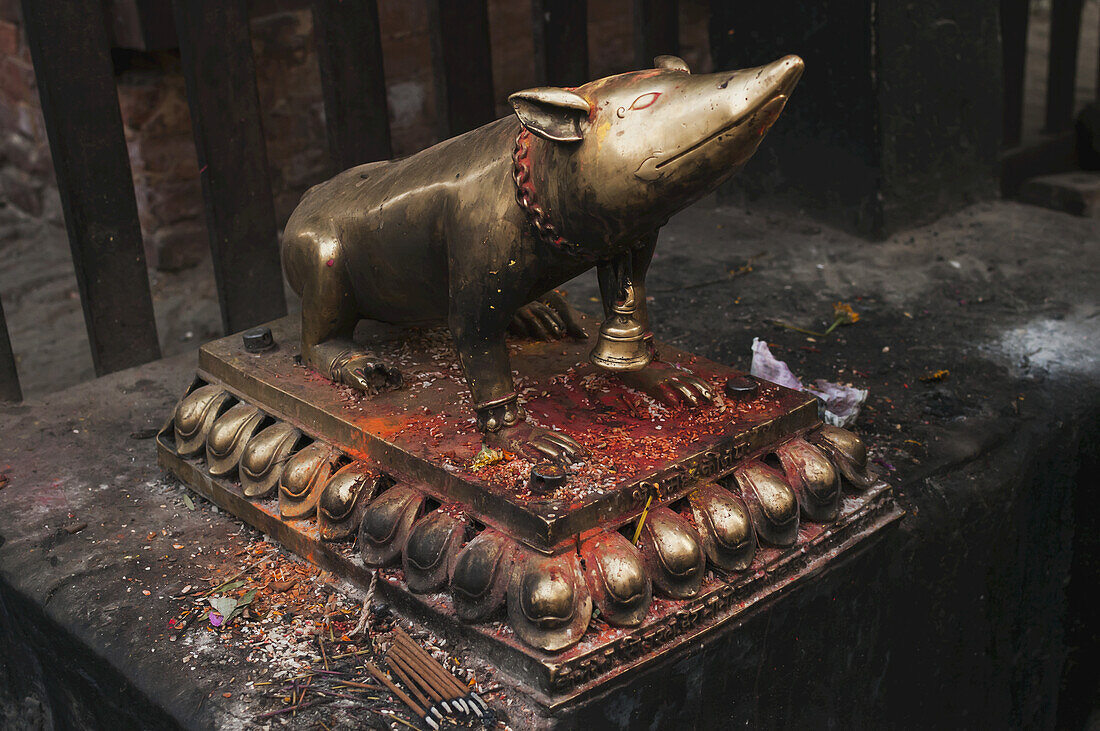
(528, 198)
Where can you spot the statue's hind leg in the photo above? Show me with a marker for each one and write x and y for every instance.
(329, 317)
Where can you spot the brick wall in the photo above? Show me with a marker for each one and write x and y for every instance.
(155, 116)
(25, 167)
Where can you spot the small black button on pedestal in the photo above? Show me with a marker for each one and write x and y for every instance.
(546, 476)
(258, 339)
(741, 388)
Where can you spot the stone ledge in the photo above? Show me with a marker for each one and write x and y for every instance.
(969, 593)
(1077, 193)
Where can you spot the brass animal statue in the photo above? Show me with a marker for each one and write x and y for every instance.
(477, 231)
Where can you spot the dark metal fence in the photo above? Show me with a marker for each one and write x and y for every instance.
(1065, 36)
(71, 53)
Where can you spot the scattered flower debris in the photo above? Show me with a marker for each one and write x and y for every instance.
(489, 456)
(843, 314)
(306, 641)
(228, 607)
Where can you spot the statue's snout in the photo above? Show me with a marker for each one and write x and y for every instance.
(766, 82)
(762, 96)
(783, 75)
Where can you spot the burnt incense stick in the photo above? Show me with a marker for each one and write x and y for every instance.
(415, 687)
(440, 694)
(420, 712)
(430, 669)
(462, 696)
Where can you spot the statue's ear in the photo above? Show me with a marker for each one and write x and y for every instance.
(551, 113)
(673, 63)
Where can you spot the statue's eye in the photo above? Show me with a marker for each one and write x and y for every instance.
(645, 100)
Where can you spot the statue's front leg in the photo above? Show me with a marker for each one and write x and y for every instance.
(672, 386)
(500, 416)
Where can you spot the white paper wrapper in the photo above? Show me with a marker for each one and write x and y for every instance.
(841, 403)
(767, 366)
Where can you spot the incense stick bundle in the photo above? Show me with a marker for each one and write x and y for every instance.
(398, 657)
(447, 683)
(420, 697)
(465, 696)
(420, 677)
(413, 706)
(432, 678)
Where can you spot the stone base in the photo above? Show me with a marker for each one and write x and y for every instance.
(1077, 193)
(708, 514)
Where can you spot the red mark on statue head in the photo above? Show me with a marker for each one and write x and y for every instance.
(645, 100)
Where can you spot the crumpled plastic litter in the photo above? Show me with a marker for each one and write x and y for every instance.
(840, 404)
(767, 366)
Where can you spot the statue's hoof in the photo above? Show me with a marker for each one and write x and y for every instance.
(535, 442)
(549, 318)
(368, 374)
(539, 321)
(675, 388)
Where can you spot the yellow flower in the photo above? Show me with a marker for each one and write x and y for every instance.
(488, 456)
(844, 313)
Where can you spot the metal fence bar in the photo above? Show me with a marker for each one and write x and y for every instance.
(462, 65)
(349, 52)
(1065, 34)
(9, 376)
(561, 41)
(656, 30)
(76, 87)
(216, 50)
(1014, 21)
